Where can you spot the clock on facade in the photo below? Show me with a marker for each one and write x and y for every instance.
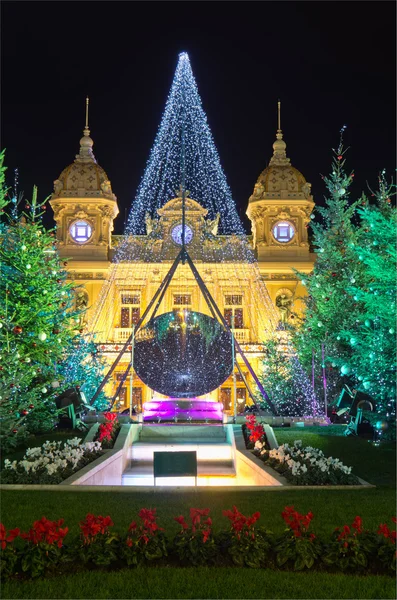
(176, 234)
(80, 231)
(283, 231)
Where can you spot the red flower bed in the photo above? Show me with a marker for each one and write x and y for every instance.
(349, 548)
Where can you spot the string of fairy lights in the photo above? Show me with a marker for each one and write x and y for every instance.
(227, 263)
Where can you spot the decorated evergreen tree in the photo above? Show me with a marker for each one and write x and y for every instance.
(84, 367)
(372, 336)
(347, 332)
(281, 378)
(329, 308)
(37, 323)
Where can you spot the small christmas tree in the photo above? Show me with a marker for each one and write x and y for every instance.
(37, 322)
(84, 367)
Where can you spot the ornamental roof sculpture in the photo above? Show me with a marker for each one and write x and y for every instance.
(84, 178)
(280, 179)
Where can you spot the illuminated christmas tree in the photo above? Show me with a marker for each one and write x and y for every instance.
(372, 338)
(36, 320)
(347, 332)
(84, 367)
(205, 179)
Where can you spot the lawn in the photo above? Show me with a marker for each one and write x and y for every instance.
(331, 508)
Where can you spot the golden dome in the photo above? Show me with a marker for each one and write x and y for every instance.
(84, 178)
(280, 179)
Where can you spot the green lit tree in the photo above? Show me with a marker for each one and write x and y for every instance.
(372, 337)
(37, 322)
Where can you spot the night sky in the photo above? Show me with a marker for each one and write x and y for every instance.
(330, 63)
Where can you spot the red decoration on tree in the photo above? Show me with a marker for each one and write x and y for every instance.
(31, 406)
(17, 330)
(24, 412)
(56, 331)
(15, 431)
(340, 157)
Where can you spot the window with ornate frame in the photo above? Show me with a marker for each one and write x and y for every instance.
(233, 311)
(130, 312)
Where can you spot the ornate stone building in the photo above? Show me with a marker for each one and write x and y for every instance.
(116, 294)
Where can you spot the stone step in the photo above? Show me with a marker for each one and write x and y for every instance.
(175, 431)
(204, 468)
(205, 451)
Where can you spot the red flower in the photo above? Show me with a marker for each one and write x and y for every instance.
(93, 525)
(206, 534)
(181, 521)
(146, 514)
(132, 527)
(357, 524)
(384, 530)
(110, 416)
(4, 538)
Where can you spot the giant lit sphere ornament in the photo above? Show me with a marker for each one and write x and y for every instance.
(345, 370)
(42, 336)
(183, 354)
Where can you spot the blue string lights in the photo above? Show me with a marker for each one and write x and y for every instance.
(205, 178)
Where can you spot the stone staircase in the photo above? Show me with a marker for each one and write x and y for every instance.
(215, 456)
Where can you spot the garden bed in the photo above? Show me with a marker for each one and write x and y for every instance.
(299, 465)
(48, 549)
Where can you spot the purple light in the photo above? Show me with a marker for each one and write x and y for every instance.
(191, 409)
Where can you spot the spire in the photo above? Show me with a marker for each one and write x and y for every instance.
(86, 154)
(279, 155)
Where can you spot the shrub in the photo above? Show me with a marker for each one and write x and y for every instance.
(8, 556)
(97, 544)
(308, 466)
(247, 545)
(108, 431)
(50, 463)
(297, 547)
(350, 547)
(44, 542)
(144, 542)
(194, 543)
(386, 546)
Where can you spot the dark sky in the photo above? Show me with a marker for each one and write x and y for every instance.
(331, 63)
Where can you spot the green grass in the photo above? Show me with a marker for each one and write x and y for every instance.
(203, 583)
(331, 508)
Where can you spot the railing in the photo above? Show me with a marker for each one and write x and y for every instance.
(242, 335)
(121, 334)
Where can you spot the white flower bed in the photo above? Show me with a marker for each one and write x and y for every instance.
(51, 463)
(307, 466)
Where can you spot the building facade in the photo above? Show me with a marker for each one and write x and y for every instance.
(252, 297)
